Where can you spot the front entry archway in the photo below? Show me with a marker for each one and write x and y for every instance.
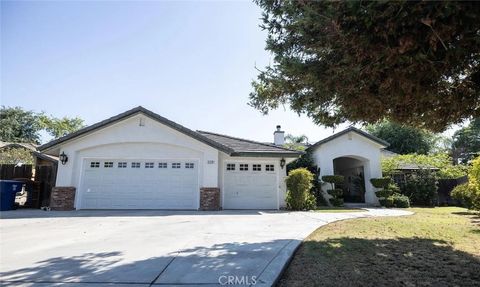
(353, 169)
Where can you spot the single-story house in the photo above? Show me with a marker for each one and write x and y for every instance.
(141, 160)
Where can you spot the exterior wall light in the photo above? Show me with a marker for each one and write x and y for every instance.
(282, 163)
(63, 158)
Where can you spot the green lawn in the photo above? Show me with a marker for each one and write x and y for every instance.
(338, 209)
(434, 247)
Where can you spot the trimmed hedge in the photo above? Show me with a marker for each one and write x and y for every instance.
(333, 179)
(299, 184)
(337, 192)
(380, 182)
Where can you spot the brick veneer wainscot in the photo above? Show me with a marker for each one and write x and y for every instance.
(62, 198)
(210, 198)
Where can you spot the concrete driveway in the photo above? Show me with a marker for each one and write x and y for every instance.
(146, 248)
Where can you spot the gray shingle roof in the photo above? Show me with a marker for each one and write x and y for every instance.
(229, 145)
(244, 147)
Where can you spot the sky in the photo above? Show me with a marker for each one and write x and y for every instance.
(191, 62)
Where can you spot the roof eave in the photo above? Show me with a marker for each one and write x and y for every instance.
(267, 154)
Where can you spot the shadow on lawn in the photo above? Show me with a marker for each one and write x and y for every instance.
(201, 265)
(381, 262)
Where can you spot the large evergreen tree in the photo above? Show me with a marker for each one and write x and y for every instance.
(412, 62)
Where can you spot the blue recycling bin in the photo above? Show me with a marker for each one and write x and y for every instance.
(8, 190)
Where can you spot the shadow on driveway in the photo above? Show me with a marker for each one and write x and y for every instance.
(198, 265)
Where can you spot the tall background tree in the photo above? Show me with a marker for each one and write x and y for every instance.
(296, 142)
(403, 139)
(466, 142)
(411, 62)
(18, 125)
(22, 126)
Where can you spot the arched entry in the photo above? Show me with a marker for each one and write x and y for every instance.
(354, 169)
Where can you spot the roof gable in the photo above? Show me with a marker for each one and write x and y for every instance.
(346, 131)
(128, 114)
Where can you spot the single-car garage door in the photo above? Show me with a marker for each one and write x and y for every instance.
(250, 186)
(139, 184)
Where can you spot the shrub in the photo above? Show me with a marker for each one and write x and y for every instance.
(421, 188)
(400, 200)
(388, 191)
(469, 193)
(380, 182)
(442, 161)
(336, 193)
(299, 184)
(333, 179)
(306, 161)
(336, 201)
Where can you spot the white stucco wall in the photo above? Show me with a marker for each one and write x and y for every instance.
(128, 140)
(355, 146)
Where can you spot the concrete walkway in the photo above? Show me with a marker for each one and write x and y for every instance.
(150, 248)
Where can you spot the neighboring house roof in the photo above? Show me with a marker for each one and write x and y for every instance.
(351, 129)
(45, 156)
(244, 147)
(218, 142)
(413, 166)
(28, 146)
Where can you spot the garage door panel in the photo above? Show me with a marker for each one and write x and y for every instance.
(248, 189)
(140, 188)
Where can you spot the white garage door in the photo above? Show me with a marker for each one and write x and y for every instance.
(250, 186)
(139, 184)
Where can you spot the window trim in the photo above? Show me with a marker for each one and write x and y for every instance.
(256, 167)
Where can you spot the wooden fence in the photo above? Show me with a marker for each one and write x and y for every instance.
(38, 182)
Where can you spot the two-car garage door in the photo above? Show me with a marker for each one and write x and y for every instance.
(139, 184)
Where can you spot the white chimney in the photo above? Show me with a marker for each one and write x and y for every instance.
(279, 136)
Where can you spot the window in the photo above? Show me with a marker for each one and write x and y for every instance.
(243, 166)
(108, 164)
(230, 166)
(257, 167)
(189, 165)
(162, 165)
(149, 165)
(122, 164)
(269, 167)
(135, 165)
(176, 165)
(95, 164)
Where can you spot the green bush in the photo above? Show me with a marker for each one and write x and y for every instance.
(306, 161)
(399, 200)
(421, 188)
(337, 192)
(333, 179)
(442, 161)
(469, 193)
(299, 184)
(380, 182)
(336, 201)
